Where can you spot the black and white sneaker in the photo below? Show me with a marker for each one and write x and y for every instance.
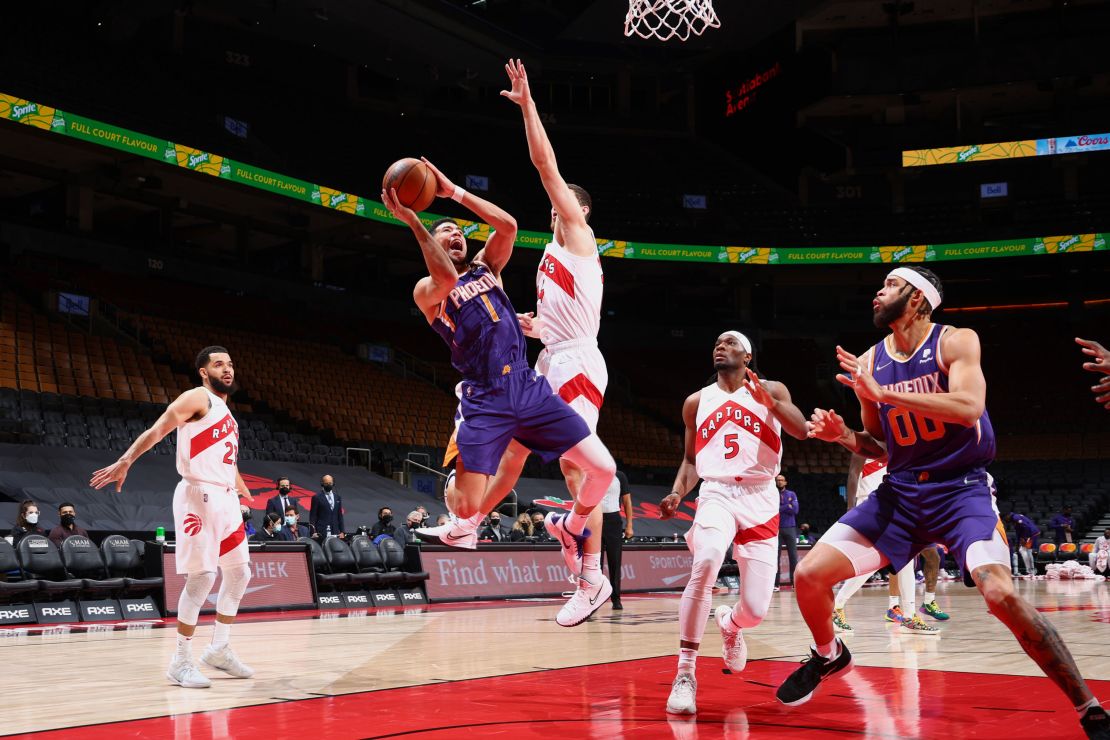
(1096, 723)
(800, 686)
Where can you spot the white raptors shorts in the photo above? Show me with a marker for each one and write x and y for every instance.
(576, 371)
(209, 528)
(741, 513)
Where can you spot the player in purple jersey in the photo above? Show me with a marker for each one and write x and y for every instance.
(923, 402)
(502, 398)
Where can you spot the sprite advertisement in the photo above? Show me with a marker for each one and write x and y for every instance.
(46, 118)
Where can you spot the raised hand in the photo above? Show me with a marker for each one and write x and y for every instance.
(669, 505)
(444, 187)
(520, 93)
(1102, 391)
(399, 212)
(827, 426)
(757, 389)
(858, 379)
(1101, 355)
(114, 473)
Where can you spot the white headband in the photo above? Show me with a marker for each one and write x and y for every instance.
(742, 339)
(917, 280)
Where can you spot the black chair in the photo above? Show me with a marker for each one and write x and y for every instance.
(342, 560)
(41, 560)
(11, 591)
(394, 556)
(124, 560)
(322, 566)
(82, 559)
(368, 558)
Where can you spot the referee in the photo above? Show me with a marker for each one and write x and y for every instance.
(617, 498)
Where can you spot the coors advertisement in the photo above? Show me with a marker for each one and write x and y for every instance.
(458, 576)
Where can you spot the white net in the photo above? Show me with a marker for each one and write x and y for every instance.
(668, 19)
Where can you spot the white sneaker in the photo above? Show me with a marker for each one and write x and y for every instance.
(683, 696)
(184, 672)
(733, 648)
(455, 533)
(586, 600)
(226, 661)
(555, 524)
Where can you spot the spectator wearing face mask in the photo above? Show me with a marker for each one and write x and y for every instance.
(522, 529)
(248, 525)
(539, 532)
(384, 525)
(271, 529)
(27, 522)
(326, 514)
(67, 513)
(292, 531)
(280, 502)
(424, 517)
(493, 531)
(406, 535)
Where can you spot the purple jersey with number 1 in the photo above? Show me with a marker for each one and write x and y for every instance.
(937, 489)
(501, 397)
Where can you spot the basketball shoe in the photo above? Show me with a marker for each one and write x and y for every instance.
(683, 698)
(933, 610)
(584, 602)
(894, 614)
(185, 673)
(733, 648)
(226, 661)
(840, 621)
(917, 625)
(456, 532)
(800, 685)
(556, 526)
(1096, 723)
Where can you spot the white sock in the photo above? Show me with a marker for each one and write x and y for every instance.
(221, 634)
(591, 565)
(828, 650)
(687, 660)
(929, 598)
(892, 601)
(576, 523)
(184, 647)
(1082, 708)
(473, 522)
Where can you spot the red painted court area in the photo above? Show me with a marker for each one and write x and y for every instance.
(626, 700)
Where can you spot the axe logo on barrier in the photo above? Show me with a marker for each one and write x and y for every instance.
(99, 610)
(385, 598)
(139, 608)
(330, 600)
(57, 612)
(357, 599)
(16, 613)
(413, 596)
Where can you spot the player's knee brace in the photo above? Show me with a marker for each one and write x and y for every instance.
(232, 589)
(197, 587)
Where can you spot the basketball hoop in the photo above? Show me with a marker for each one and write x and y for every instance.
(666, 19)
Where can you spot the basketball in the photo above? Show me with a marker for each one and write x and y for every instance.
(414, 182)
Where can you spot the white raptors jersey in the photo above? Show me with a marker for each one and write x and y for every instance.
(568, 295)
(208, 449)
(737, 440)
(869, 479)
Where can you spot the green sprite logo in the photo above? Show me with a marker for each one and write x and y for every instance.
(876, 255)
(901, 254)
(469, 228)
(171, 152)
(1100, 242)
(316, 195)
(1068, 243)
(337, 199)
(225, 169)
(722, 256)
(746, 255)
(360, 206)
(930, 254)
(1038, 246)
(197, 159)
(967, 154)
(630, 251)
(58, 124)
(774, 256)
(603, 246)
(19, 112)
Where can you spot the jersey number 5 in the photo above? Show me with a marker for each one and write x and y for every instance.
(232, 453)
(908, 427)
(732, 447)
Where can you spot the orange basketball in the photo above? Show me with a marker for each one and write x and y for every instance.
(414, 182)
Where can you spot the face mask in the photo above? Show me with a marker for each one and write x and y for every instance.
(327, 488)
(68, 520)
(32, 518)
(284, 490)
(387, 519)
(290, 520)
(537, 526)
(495, 522)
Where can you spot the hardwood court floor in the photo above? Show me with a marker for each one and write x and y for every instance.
(506, 670)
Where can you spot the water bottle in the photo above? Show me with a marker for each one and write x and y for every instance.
(160, 534)
(676, 536)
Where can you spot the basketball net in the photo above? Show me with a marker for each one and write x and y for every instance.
(667, 19)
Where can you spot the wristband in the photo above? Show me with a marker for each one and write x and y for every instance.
(457, 196)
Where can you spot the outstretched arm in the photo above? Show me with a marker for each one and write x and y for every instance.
(430, 291)
(499, 247)
(687, 476)
(543, 158)
(190, 404)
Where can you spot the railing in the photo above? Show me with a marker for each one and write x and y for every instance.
(511, 500)
(367, 450)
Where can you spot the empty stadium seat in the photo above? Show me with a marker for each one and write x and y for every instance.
(123, 559)
(394, 556)
(17, 590)
(322, 567)
(82, 560)
(41, 560)
(342, 560)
